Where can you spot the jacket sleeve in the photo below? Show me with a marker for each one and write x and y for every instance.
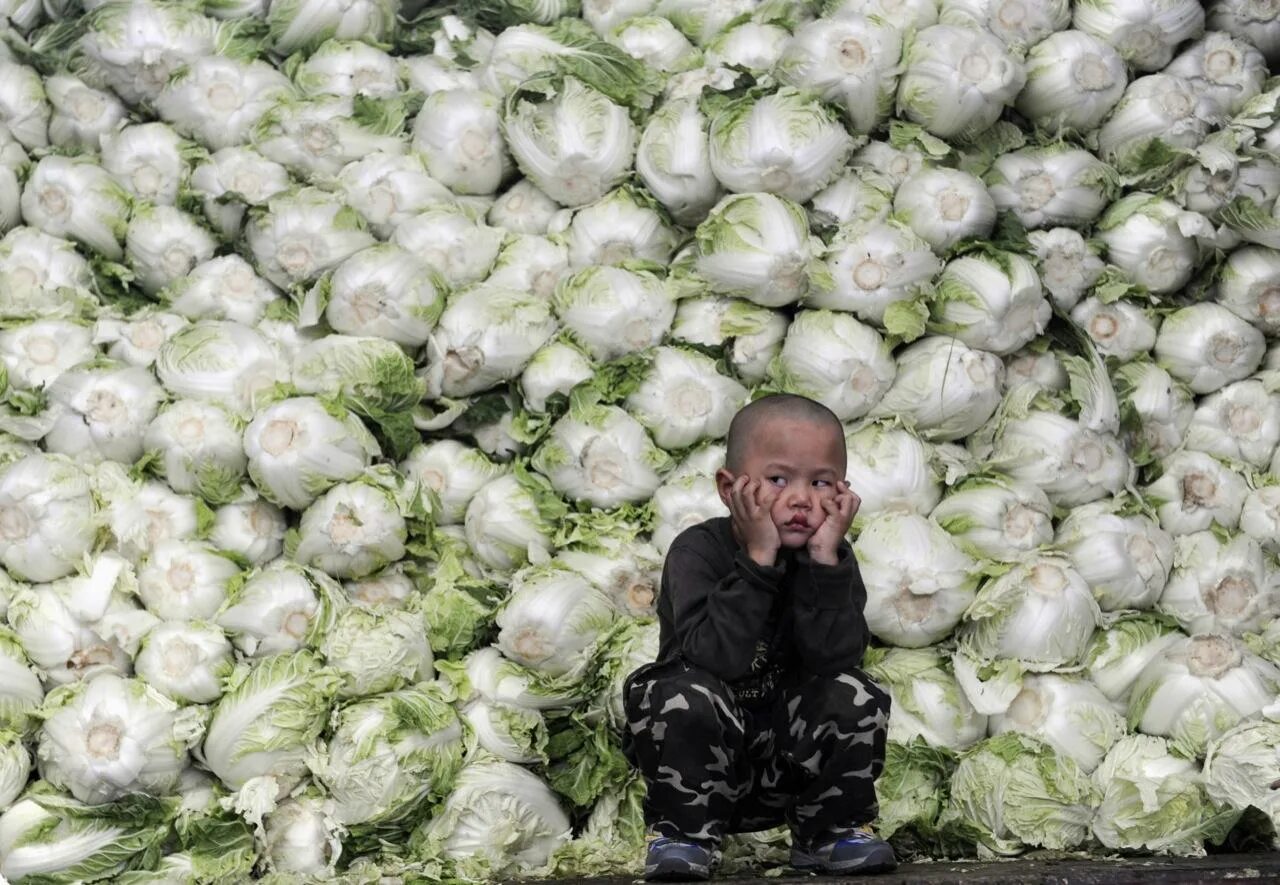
(718, 618)
(831, 631)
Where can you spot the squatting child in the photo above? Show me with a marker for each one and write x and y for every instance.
(755, 713)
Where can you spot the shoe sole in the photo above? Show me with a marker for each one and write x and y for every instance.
(681, 872)
(877, 862)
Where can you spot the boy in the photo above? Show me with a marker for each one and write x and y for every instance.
(755, 713)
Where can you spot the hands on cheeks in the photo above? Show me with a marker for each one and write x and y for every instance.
(840, 512)
(751, 506)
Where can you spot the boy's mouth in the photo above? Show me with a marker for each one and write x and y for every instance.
(798, 522)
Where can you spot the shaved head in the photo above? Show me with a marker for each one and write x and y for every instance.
(775, 406)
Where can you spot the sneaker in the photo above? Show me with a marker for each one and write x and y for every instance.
(857, 851)
(673, 860)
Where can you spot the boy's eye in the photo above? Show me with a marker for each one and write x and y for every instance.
(822, 483)
(778, 480)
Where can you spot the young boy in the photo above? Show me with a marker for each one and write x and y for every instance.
(755, 713)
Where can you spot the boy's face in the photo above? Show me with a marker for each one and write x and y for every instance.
(803, 460)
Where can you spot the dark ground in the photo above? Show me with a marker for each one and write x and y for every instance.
(1258, 867)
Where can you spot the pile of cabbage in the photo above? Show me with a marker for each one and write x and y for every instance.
(360, 362)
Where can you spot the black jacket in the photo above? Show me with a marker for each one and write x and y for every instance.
(751, 625)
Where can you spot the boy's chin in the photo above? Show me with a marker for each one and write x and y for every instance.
(793, 540)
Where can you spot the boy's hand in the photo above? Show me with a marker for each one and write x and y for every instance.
(751, 506)
(840, 511)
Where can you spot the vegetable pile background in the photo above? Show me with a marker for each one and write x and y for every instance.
(362, 361)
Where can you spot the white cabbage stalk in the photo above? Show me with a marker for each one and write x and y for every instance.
(1068, 265)
(1145, 32)
(991, 301)
(316, 137)
(1226, 69)
(139, 516)
(601, 455)
(1030, 365)
(305, 24)
(390, 588)
(1240, 766)
(301, 837)
(81, 114)
(891, 470)
(461, 250)
(921, 581)
(531, 263)
(1221, 586)
(74, 197)
(36, 354)
(20, 690)
(1118, 654)
(222, 288)
(753, 45)
(1198, 688)
(1155, 800)
(511, 733)
(1041, 613)
(1156, 111)
(1050, 186)
(753, 334)
(24, 107)
(1073, 464)
(1208, 347)
(656, 42)
(523, 209)
(1013, 791)
(138, 339)
(148, 159)
(627, 572)
(135, 47)
(492, 796)
(1249, 287)
(944, 206)
(957, 81)
(1121, 329)
(1019, 26)
(197, 448)
(758, 247)
(452, 472)
(623, 226)
(109, 737)
(851, 61)
(1074, 79)
(1239, 423)
(1071, 715)
(874, 265)
(1144, 237)
(831, 357)
(892, 163)
(48, 520)
(389, 188)
(222, 362)
(265, 722)
(1249, 21)
(163, 244)
(575, 144)
(377, 650)
(252, 529)
(357, 528)
(554, 370)
(384, 291)
(1163, 406)
(349, 68)
(1126, 559)
(486, 334)
(782, 143)
(185, 580)
(186, 661)
(218, 100)
(997, 518)
(684, 400)
(389, 755)
(233, 178)
(944, 389)
(1260, 516)
(613, 311)
(299, 236)
(459, 134)
(553, 621)
(42, 276)
(15, 768)
(281, 608)
(681, 503)
(504, 526)
(927, 700)
(102, 412)
(860, 196)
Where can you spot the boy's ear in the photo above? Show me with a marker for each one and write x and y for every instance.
(724, 484)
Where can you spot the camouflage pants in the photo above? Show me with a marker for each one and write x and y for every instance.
(809, 759)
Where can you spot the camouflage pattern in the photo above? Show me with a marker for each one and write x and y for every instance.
(808, 758)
